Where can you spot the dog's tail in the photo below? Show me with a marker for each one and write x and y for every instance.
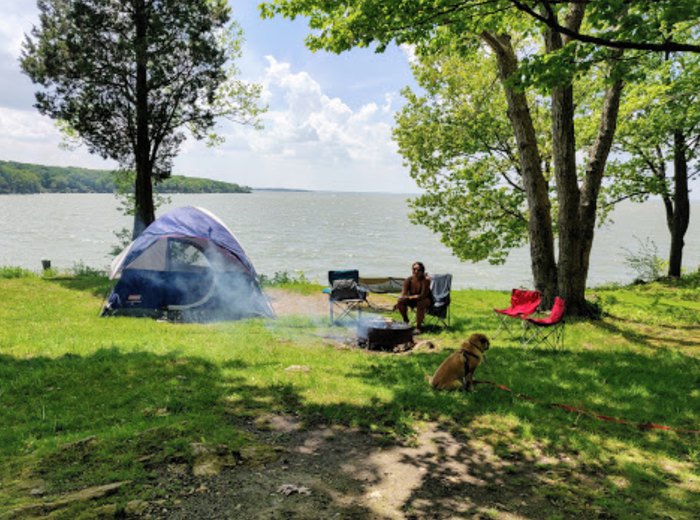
(429, 379)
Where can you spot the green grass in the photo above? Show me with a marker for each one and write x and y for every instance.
(130, 395)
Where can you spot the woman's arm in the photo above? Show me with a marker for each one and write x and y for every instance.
(405, 289)
(425, 289)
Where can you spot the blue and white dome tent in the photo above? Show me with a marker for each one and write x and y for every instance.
(187, 265)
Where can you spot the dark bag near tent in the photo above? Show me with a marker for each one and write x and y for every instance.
(345, 290)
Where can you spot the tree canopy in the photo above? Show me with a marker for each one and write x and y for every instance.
(658, 143)
(648, 25)
(132, 78)
(529, 58)
(458, 144)
(654, 25)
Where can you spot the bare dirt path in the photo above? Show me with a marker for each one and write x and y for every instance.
(286, 303)
(334, 472)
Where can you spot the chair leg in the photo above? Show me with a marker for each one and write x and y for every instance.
(557, 337)
(508, 324)
(531, 336)
(552, 337)
(344, 310)
(432, 320)
(502, 326)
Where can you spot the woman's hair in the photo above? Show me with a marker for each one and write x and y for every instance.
(419, 264)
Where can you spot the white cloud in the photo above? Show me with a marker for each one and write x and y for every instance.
(27, 136)
(311, 141)
(25, 126)
(303, 122)
(409, 51)
(11, 35)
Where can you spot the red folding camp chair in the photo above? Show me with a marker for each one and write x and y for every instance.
(548, 331)
(522, 305)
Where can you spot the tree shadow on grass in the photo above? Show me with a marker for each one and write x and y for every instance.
(683, 337)
(658, 335)
(75, 422)
(510, 448)
(635, 387)
(470, 474)
(492, 452)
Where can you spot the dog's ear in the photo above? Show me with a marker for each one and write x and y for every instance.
(480, 341)
(465, 344)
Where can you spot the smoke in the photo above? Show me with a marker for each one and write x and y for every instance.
(194, 280)
(309, 315)
(230, 291)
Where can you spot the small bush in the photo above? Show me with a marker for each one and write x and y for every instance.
(82, 270)
(283, 278)
(123, 240)
(645, 262)
(49, 273)
(15, 272)
(690, 281)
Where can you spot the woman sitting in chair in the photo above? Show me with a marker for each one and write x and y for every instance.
(415, 294)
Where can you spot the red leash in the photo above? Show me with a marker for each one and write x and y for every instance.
(573, 409)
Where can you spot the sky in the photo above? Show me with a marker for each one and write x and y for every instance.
(328, 126)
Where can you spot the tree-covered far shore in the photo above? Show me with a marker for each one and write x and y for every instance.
(25, 178)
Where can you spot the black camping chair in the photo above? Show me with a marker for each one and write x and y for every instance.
(439, 312)
(345, 295)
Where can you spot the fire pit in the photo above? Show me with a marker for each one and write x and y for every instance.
(383, 333)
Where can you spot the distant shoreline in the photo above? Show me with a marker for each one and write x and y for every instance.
(24, 178)
(296, 190)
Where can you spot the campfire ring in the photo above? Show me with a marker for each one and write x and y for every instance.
(383, 333)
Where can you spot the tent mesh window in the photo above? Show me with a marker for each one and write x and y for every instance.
(184, 256)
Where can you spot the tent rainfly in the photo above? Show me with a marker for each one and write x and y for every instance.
(187, 265)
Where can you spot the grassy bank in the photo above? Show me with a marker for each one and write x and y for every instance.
(87, 401)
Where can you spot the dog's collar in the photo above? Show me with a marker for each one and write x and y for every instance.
(477, 347)
(467, 353)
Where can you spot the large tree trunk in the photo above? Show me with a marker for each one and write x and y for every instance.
(678, 223)
(569, 267)
(595, 168)
(564, 159)
(544, 269)
(144, 211)
(577, 206)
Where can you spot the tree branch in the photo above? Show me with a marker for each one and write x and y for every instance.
(553, 23)
(625, 197)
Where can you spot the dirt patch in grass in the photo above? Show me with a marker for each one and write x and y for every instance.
(286, 303)
(338, 472)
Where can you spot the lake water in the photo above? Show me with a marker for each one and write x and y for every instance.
(312, 232)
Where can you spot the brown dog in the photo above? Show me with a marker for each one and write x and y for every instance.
(459, 368)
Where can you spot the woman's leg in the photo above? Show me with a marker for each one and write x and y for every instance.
(403, 309)
(421, 307)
